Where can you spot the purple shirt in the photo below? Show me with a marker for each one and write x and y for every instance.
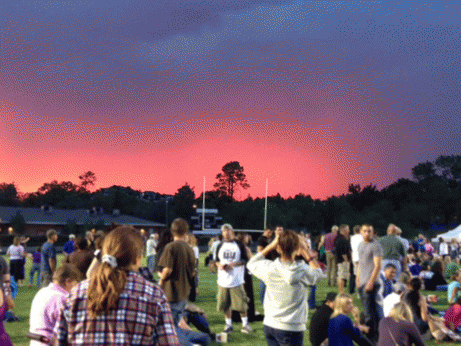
(37, 257)
(45, 309)
(329, 243)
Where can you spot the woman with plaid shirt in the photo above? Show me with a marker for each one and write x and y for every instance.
(117, 306)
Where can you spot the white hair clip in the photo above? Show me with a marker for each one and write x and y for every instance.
(111, 260)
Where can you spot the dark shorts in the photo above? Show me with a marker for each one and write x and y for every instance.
(17, 269)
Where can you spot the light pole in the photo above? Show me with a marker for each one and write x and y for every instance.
(166, 212)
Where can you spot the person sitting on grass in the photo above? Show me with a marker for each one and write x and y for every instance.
(318, 328)
(47, 303)
(287, 287)
(341, 329)
(453, 289)
(116, 305)
(419, 307)
(452, 316)
(398, 328)
(451, 267)
(5, 303)
(415, 267)
(437, 278)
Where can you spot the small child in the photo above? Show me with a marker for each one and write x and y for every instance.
(37, 258)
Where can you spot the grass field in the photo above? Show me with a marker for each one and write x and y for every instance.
(206, 300)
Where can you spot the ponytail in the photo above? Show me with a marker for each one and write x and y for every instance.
(107, 283)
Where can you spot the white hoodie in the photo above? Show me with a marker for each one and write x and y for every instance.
(287, 291)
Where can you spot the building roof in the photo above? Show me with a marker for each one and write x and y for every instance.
(51, 216)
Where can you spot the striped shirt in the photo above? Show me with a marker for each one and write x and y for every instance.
(142, 317)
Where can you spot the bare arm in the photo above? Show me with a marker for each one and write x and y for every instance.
(52, 262)
(423, 306)
(249, 253)
(453, 295)
(164, 275)
(374, 275)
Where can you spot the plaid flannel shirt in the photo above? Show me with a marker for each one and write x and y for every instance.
(143, 317)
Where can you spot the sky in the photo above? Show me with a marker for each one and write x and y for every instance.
(310, 95)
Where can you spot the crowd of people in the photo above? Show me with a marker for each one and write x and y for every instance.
(100, 294)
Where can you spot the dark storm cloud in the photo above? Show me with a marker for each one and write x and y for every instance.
(83, 54)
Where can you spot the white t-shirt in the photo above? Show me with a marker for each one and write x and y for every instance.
(150, 247)
(15, 252)
(443, 249)
(196, 252)
(356, 239)
(229, 252)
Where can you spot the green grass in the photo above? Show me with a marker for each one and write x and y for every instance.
(206, 300)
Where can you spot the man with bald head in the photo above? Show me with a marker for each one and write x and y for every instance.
(393, 250)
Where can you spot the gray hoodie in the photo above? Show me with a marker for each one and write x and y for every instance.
(287, 290)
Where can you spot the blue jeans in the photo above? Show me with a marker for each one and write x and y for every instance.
(198, 321)
(262, 291)
(373, 312)
(177, 310)
(311, 301)
(277, 337)
(190, 337)
(35, 269)
(151, 263)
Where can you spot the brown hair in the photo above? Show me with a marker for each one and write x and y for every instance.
(67, 271)
(179, 227)
(356, 229)
(288, 242)
(106, 283)
(191, 240)
(50, 233)
(16, 241)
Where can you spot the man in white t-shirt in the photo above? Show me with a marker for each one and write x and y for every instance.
(355, 240)
(230, 258)
(151, 245)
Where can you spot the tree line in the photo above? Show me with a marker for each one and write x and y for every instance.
(432, 198)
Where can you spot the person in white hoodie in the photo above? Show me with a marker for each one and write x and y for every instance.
(287, 287)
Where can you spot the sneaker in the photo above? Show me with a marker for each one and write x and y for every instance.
(247, 329)
(228, 329)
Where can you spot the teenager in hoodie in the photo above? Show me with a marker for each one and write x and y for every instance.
(287, 287)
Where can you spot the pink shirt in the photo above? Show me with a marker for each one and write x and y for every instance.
(44, 311)
(453, 315)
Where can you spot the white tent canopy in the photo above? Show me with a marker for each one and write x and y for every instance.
(453, 234)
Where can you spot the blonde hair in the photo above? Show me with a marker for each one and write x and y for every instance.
(106, 283)
(340, 304)
(401, 312)
(191, 239)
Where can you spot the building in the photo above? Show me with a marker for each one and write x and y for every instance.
(36, 221)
